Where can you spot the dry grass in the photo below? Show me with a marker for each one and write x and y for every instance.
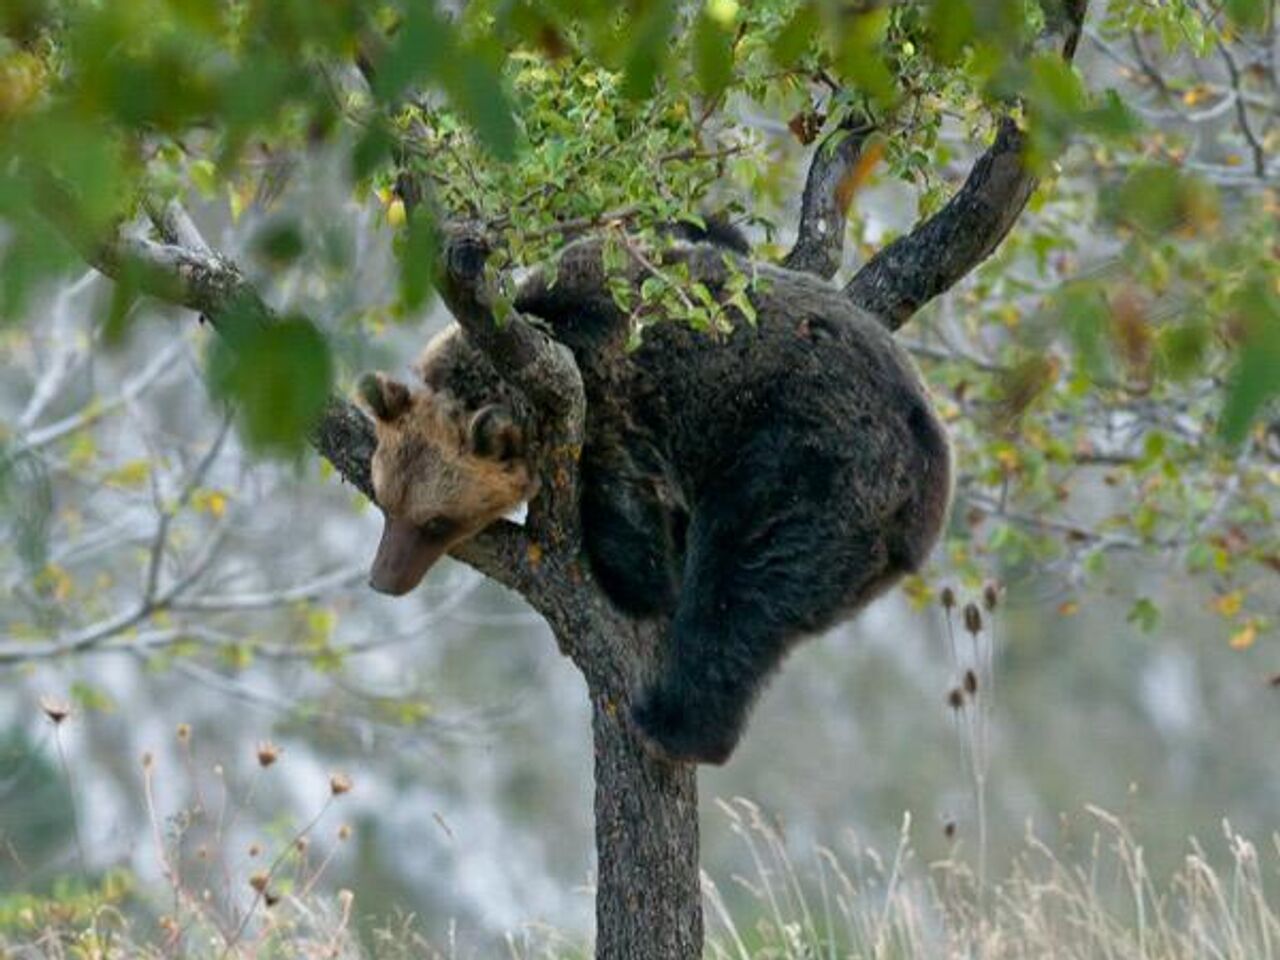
(832, 905)
(856, 903)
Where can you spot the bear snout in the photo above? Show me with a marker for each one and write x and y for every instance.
(405, 554)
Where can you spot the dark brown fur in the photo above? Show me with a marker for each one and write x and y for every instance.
(754, 487)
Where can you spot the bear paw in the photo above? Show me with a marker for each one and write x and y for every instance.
(675, 728)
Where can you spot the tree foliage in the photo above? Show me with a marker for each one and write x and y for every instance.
(1131, 330)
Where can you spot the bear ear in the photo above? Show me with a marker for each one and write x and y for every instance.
(492, 433)
(386, 399)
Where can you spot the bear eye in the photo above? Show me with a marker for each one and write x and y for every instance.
(438, 528)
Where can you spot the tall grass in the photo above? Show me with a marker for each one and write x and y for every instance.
(837, 902)
(854, 902)
(831, 903)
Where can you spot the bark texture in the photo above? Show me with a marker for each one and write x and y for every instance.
(914, 269)
(824, 208)
(648, 901)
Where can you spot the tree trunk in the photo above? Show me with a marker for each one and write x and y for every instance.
(648, 885)
(648, 896)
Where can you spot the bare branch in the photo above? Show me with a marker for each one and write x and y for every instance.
(67, 353)
(1242, 112)
(828, 190)
(928, 261)
(265, 600)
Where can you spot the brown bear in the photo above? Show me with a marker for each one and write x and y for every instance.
(752, 486)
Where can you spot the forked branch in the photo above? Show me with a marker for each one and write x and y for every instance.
(929, 260)
(828, 191)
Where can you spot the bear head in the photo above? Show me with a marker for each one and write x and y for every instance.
(442, 471)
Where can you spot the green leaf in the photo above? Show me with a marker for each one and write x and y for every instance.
(1183, 347)
(1144, 614)
(1085, 316)
(371, 151)
(422, 45)
(1157, 200)
(951, 26)
(713, 54)
(417, 259)
(476, 90)
(794, 39)
(278, 375)
(648, 50)
(1256, 378)
(279, 244)
(1249, 14)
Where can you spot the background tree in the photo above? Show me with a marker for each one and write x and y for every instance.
(537, 124)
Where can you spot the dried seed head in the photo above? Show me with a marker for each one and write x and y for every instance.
(339, 783)
(259, 880)
(269, 898)
(972, 619)
(202, 852)
(55, 709)
(184, 733)
(970, 682)
(949, 829)
(991, 595)
(301, 844)
(148, 761)
(344, 832)
(255, 849)
(948, 598)
(168, 924)
(268, 753)
(955, 699)
(1275, 681)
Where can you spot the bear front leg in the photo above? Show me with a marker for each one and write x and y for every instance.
(634, 542)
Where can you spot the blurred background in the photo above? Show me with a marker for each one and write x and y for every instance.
(198, 605)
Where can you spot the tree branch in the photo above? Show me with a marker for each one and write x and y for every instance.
(928, 261)
(828, 191)
(189, 273)
(914, 269)
(543, 369)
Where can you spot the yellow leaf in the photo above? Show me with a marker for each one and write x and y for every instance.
(54, 581)
(396, 213)
(1243, 638)
(1229, 604)
(918, 591)
(723, 12)
(131, 474)
(22, 78)
(1008, 458)
(213, 502)
(1068, 608)
(81, 451)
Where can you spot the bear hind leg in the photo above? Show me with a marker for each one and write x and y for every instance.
(764, 567)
